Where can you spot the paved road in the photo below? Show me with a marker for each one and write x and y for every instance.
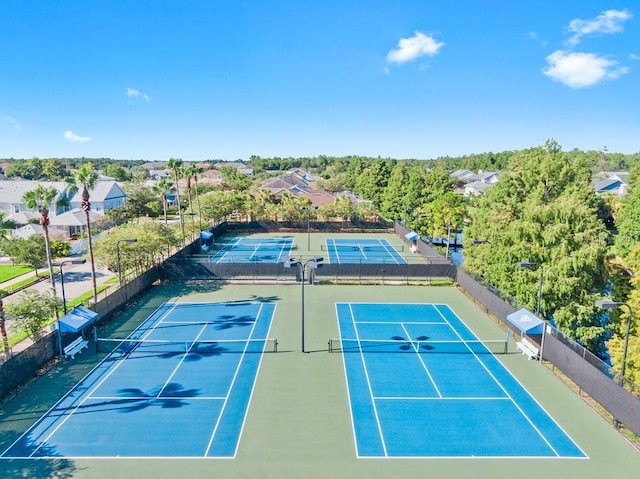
(77, 281)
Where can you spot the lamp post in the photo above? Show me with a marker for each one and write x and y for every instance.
(309, 208)
(528, 265)
(608, 304)
(313, 263)
(59, 265)
(126, 240)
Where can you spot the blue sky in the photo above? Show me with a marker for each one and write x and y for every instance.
(226, 79)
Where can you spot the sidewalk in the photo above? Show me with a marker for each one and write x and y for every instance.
(77, 281)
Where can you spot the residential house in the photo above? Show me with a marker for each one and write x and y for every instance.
(609, 186)
(104, 196)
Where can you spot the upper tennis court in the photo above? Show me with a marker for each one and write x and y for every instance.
(363, 251)
(252, 250)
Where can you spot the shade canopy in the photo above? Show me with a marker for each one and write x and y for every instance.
(206, 235)
(412, 236)
(76, 319)
(526, 322)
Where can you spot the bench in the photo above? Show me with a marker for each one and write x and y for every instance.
(528, 348)
(75, 347)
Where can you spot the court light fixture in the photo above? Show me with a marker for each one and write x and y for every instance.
(313, 263)
(532, 265)
(608, 304)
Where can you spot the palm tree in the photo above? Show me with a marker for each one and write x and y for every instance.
(86, 177)
(41, 197)
(196, 171)
(162, 188)
(174, 165)
(190, 172)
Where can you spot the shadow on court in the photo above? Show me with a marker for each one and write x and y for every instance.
(58, 468)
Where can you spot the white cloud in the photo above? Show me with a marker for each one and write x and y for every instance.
(71, 136)
(132, 93)
(609, 21)
(581, 70)
(12, 122)
(634, 56)
(409, 49)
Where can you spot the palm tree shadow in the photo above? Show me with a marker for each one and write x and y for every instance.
(170, 396)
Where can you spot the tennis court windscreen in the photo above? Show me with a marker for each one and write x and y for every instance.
(492, 346)
(202, 347)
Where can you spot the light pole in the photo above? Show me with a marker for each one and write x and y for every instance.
(126, 240)
(608, 304)
(309, 208)
(59, 265)
(313, 263)
(528, 265)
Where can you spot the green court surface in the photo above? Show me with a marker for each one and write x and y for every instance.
(299, 422)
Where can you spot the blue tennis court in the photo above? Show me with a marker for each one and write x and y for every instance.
(363, 251)
(252, 250)
(421, 384)
(179, 386)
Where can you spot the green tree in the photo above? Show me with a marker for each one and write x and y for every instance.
(154, 239)
(233, 179)
(40, 198)
(394, 198)
(628, 223)
(626, 288)
(117, 172)
(53, 170)
(543, 210)
(32, 311)
(163, 188)
(139, 200)
(448, 214)
(3, 328)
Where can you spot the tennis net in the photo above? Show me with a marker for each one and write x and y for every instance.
(200, 347)
(343, 248)
(491, 346)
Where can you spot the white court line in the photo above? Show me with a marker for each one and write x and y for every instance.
(230, 249)
(287, 245)
(391, 251)
(424, 365)
(527, 418)
(441, 398)
(52, 408)
(184, 356)
(433, 323)
(366, 373)
(233, 381)
(150, 398)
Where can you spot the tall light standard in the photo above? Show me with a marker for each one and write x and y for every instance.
(59, 265)
(313, 263)
(608, 304)
(528, 265)
(309, 208)
(126, 240)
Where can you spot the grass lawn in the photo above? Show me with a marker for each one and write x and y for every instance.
(8, 272)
